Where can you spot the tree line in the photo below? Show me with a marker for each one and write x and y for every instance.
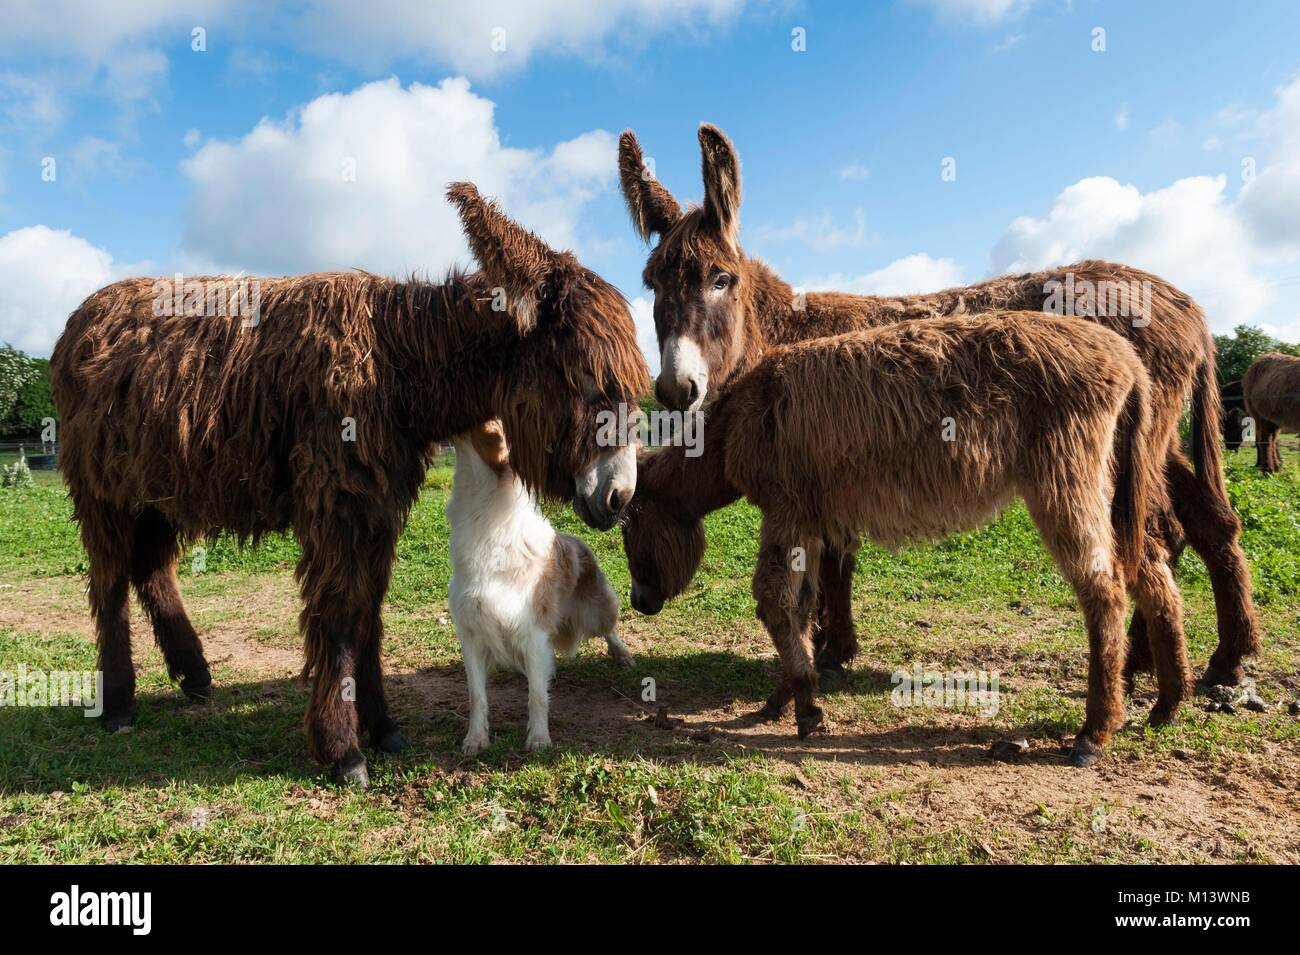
(25, 397)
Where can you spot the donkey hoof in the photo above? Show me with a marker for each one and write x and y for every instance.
(831, 676)
(197, 692)
(767, 713)
(624, 660)
(116, 722)
(810, 722)
(1160, 717)
(391, 741)
(1084, 753)
(351, 771)
(1216, 677)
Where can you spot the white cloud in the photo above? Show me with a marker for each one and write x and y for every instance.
(1270, 203)
(853, 170)
(1231, 255)
(279, 200)
(817, 232)
(1187, 233)
(644, 315)
(1121, 118)
(45, 274)
(482, 38)
(983, 12)
(490, 36)
(910, 275)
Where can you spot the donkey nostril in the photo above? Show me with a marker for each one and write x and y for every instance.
(693, 393)
(618, 498)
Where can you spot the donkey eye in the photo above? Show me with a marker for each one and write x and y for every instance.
(721, 281)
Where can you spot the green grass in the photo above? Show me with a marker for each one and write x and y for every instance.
(231, 781)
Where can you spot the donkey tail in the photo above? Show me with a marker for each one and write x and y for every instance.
(1135, 477)
(1207, 418)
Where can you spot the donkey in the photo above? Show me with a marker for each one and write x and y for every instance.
(519, 592)
(717, 311)
(922, 429)
(1271, 391)
(320, 416)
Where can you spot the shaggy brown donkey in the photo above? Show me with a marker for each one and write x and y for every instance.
(919, 430)
(320, 418)
(1271, 389)
(717, 311)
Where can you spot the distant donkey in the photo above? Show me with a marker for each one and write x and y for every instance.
(1270, 390)
(717, 311)
(919, 430)
(320, 416)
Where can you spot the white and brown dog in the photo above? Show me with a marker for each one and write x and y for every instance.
(520, 592)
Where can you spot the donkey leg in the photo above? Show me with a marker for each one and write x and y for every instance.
(786, 594)
(1075, 524)
(154, 553)
(1156, 594)
(330, 620)
(106, 534)
(1139, 660)
(372, 704)
(1267, 457)
(1102, 598)
(838, 642)
(1213, 531)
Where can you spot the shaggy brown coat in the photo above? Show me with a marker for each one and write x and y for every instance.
(1271, 389)
(941, 424)
(735, 309)
(321, 419)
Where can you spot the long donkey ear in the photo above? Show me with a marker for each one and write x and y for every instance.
(652, 207)
(721, 168)
(511, 256)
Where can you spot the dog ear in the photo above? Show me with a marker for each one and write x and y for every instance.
(489, 441)
(652, 207)
(512, 258)
(721, 169)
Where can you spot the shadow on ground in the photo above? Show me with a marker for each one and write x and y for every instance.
(253, 728)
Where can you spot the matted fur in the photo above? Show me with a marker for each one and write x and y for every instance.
(758, 310)
(174, 427)
(1271, 391)
(1055, 411)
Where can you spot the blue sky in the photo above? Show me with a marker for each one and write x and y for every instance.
(1176, 148)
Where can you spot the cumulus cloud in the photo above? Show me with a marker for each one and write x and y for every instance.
(45, 274)
(909, 275)
(1270, 202)
(358, 180)
(485, 38)
(1188, 233)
